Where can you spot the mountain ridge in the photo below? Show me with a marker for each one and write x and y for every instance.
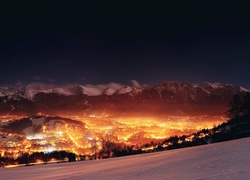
(168, 97)
(31, 90)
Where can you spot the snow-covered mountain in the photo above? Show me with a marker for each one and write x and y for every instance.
(31, 90)
(167, 97)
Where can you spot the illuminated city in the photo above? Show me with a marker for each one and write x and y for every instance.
(82, 135)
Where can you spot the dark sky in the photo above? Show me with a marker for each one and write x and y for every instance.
(103, 41)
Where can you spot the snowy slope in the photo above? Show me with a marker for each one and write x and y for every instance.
(227, 160)
(125, 90)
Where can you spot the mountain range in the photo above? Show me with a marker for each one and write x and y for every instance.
(165, 98)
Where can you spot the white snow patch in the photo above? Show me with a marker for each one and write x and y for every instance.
(109, 91)
(91, 91)
(242, 89)
(125, 90)
(209, 84)
(205, 90)
(35, 88)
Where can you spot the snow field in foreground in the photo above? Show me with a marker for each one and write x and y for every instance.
(226, 160)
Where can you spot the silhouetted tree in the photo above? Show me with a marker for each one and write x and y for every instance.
(239, 106)
(235, 107)
(246, 104)
(23, 159)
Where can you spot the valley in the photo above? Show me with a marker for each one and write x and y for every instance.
(85, 135)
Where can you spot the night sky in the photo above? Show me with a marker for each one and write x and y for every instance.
(94, 42)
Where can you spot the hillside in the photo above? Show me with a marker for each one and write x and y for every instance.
(226, 160)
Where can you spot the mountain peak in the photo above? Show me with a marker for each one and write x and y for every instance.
(209, 84)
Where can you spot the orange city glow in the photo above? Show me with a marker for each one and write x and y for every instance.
(87, 138)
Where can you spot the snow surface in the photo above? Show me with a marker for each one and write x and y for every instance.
(242, 89)
(125, 90)
(109, 91)
(209, 84)
(227, 160)
(89, 91)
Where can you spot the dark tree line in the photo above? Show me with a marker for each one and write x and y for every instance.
(25, 158)
(239, 106)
